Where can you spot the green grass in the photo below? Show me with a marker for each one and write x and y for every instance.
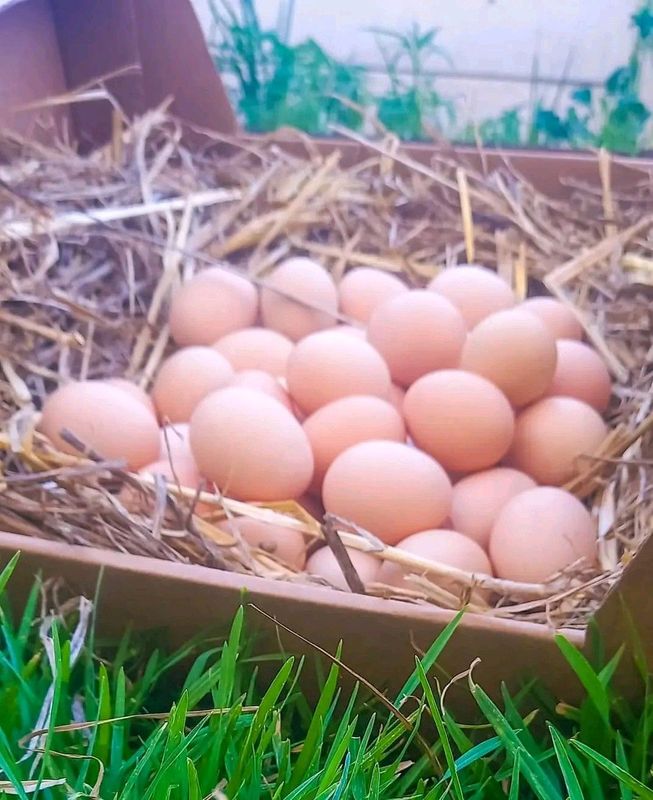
(130, 720)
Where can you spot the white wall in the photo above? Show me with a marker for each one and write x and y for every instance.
(584, 39)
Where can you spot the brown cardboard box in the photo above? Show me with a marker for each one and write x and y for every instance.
(48, 47)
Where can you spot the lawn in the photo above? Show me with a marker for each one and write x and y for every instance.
(84, 718)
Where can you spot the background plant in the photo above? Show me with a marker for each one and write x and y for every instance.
(275, 83)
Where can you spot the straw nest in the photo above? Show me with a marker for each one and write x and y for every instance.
(91, 247)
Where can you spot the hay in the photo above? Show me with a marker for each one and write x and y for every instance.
(91, 247)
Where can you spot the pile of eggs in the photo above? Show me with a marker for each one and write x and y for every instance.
(443, 420)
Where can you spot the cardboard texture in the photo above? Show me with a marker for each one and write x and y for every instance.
(48, 47)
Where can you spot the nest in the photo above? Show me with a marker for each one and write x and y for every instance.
(91, 247)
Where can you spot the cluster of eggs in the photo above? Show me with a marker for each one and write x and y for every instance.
(442, 420)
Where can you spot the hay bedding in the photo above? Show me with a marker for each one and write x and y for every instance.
(91, 247)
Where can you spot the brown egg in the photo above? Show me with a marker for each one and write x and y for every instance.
(362, 291)
(182, 473)
(337, 426)
(134, 391)
(323, 564)
(559, 319)
(442, 546)
(185, 378)
(581, 373)
(256, 348)
(211, 305)
(478, 499)
(461, 419)
(174, 442)
(476, 292)
(540, 532)
(387, 488)
(396, 397)
(350, 330)
(250, 446)
(552, 435)
(328, 365)
(515, 351)
(103, 417)
(261, 381)
(285, 544)
(417, 332)
(306, 281)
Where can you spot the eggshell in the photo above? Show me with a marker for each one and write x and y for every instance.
(417, 332)
(134, 391)
(174, 442)
(476, 292)
(559, 319)
(324, 564)
(328, 365)
(337, 426)
(256, 348)
(515, 351)
(550, 437)
(478, 499)
(185, 378)
(306, 281)
(285, 544)
(182, 472)
(362, 290)
(261, 381)
(396, 397)
(103, 417)
(540, 532)
(211, 305)
(250, 446)
(442, 546)
(387, 488)
(350, 330)
(459, 418)
(581, 373)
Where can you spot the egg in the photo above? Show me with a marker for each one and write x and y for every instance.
(134, 391)
(346, 422)
(185, 378)
(476, 292)
(540, 532)
(182, 473)
(581, 373)
(387, 488)
(261, 381)
(256, 348)
(104, 418)
(417, 332)
(478, 499)
(328, 365)
(444, 547)
(285, 544)
(351, 330)
(174, 442)
(551, 436)
(210, 305)
(323, 564)
(558, 318)
(306, 281)
(460, 419)
(362, 290)
(250, 446)
(515, 351)
(312, 505)
(396, 397)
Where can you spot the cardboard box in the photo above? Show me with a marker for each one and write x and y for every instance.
(48, 47)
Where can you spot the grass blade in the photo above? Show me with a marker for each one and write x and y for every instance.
(566, 767)
(624, 778)
(587, 676)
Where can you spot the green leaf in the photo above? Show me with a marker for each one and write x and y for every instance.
(624, 777)
(566, 767)
(583, 95)
(587, 676)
